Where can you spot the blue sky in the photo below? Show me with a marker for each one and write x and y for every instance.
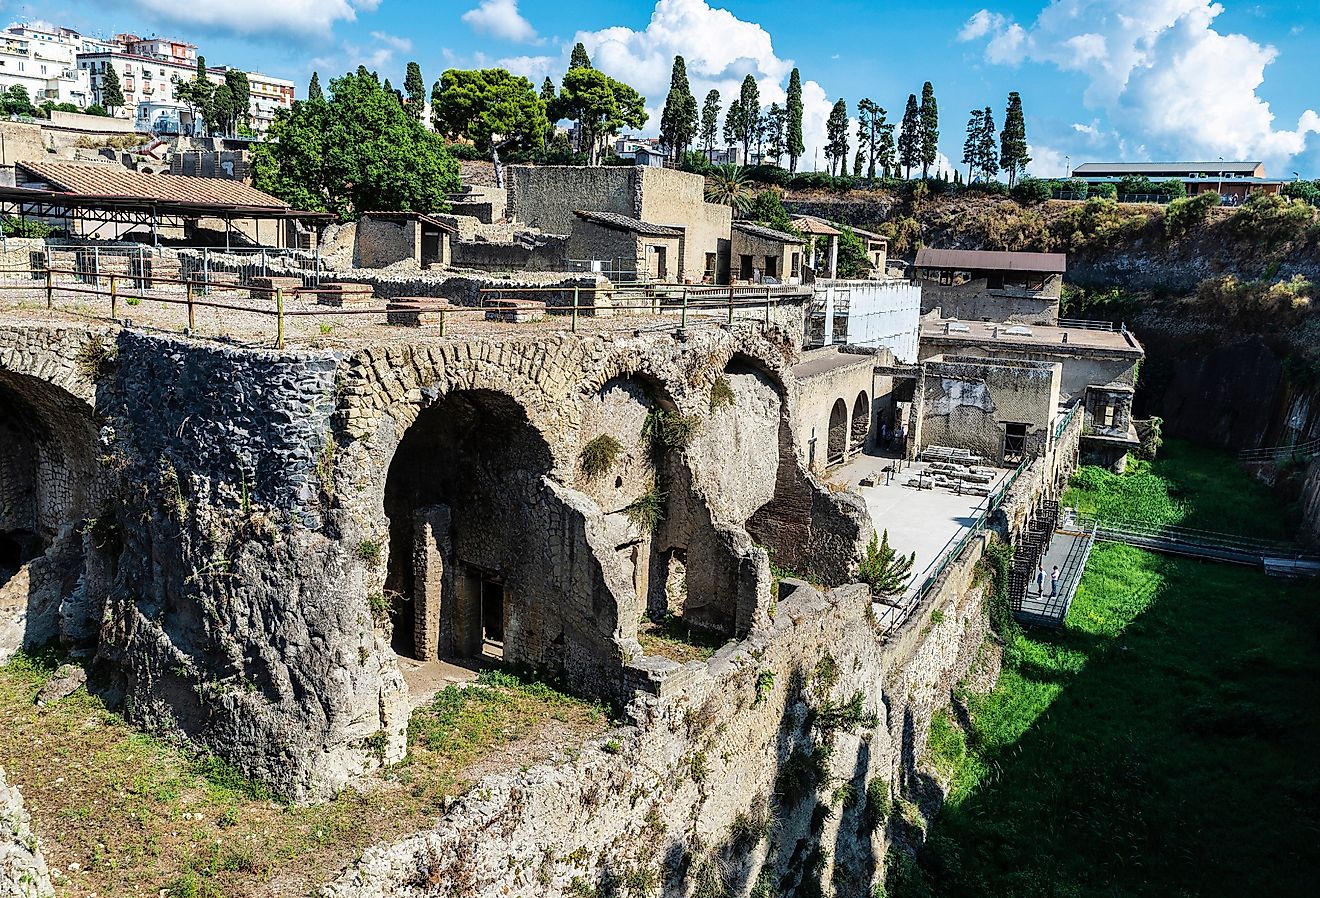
(1100, 79)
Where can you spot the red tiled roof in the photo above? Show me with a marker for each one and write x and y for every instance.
(112, 181)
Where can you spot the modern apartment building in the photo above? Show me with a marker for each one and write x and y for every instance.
(45, 62)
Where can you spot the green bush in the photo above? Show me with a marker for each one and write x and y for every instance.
(599, 455)
(1187, 213)
(1033, 191)
(1270, 220)
(1308, 191)
(25, 227)
(647, 510)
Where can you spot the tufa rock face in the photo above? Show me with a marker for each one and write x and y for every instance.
(23, 872)
(233, 533)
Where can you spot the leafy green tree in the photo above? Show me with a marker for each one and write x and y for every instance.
(600, 105)
(112, 94)
(930, 128)
(197, 94)
(975, 125)
(314, 91)
(836, 138)
(548, 95)
(767, 208)
(987, 157)
(796, 144)
(883, 569)
(355, 152)
(743, 116)
(710, 122)
(579, 59)
(16, 101)
(679, 121)
(222, 110)
(1013, 156)
(96, 109)
(414, 86)
(728, 185)
(909, 137)
(494, 109)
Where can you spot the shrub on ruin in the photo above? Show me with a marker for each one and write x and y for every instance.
(904, 235)
(1260, 300)
(371, 551)
(25, 227)
(1182, 215)
(96, 358)
(883, 569)
(647, 510)
(721, 393)
(1097, 224)
(878, 804)
(599, 455)
(669, 430)
(1033, 191)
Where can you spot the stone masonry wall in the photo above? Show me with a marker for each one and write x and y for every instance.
(23, 872)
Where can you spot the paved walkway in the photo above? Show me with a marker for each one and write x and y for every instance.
(1068, 549)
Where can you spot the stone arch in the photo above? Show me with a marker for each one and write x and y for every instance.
(48, 488)
(489, 556)
(837, 444)
(861, 422)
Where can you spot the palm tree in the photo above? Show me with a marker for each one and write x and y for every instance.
(728, 185)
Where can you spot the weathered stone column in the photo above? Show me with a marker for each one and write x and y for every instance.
(432, 563)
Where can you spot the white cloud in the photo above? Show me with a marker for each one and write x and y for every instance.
(401, 44)
(250, 17)
(500, 18)
(719, 49)
(1160, 71)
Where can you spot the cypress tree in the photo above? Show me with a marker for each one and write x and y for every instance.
(975, 125)
(1013, 156)
(112, 95)
(678, 121)
(415, 87)
(796, 144)
(314, 91)
(710, 122)
(749, 114)
(987, 158)
(909, 137)
(930, 128)
(579, 59)
(836, 138)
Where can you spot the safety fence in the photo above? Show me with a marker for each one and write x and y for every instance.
(262, 313)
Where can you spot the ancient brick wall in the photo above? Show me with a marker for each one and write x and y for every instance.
(967, 403)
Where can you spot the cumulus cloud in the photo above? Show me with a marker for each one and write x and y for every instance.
(719, 48)
(501, 19)
(253, 17)
(1160, 70)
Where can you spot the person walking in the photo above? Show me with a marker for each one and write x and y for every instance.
(1040, 581)
(1054, 582)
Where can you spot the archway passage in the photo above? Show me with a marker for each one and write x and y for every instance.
(861, 421)
(837, 444)
(468, 554)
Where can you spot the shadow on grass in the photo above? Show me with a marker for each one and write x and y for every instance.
(1164, 751)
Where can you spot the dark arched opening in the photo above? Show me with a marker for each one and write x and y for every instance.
(837, 444)
(861, 422)
(467, 550)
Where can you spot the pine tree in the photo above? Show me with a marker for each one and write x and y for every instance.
(112, 95)
(679, 121)
(796, 145)
(885, 154)
(710, 122)
(579, 59)
(930, 128)
(858, 161)
(987, 157)
(909, 137)
(314, 91)
(415, 87)
(975, 125)
(776, 121)
(836, 138)
(1013, 156)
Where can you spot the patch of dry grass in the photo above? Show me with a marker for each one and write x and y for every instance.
(673, 639)
(141, 817)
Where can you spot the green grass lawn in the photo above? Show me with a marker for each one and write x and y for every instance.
(1190, 486)
(1162, 744)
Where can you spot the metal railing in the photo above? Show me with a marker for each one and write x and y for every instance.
(1063, 422)
(1089, 325)
(1296, 452)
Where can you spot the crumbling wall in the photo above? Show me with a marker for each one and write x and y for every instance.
(975, 301)
(545, 197)
(731, 776)
(968, 402)
(383, 241)
(526, 252)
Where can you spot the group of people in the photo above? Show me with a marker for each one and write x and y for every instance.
(893, 440)
(1054, 581)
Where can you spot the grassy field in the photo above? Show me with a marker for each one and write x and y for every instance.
(1190, 486)
(1162, 744)
(120, 814)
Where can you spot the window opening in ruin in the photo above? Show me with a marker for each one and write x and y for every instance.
(771, 267)
(745, 268)
(710, 267)
(1015, 443)
(796, 270)
(861, 421)
(661, 262)
(13, 554)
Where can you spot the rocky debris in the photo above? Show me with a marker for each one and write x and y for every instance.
(23, 872)
(64, 683)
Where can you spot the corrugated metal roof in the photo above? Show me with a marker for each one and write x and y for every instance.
(979, 259)
(632, 225)
(1165, 168)
(112, 181)
(765, 233)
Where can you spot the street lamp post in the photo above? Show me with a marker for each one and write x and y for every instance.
(1220, 187)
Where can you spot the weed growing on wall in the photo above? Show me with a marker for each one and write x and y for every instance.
(599, 455)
